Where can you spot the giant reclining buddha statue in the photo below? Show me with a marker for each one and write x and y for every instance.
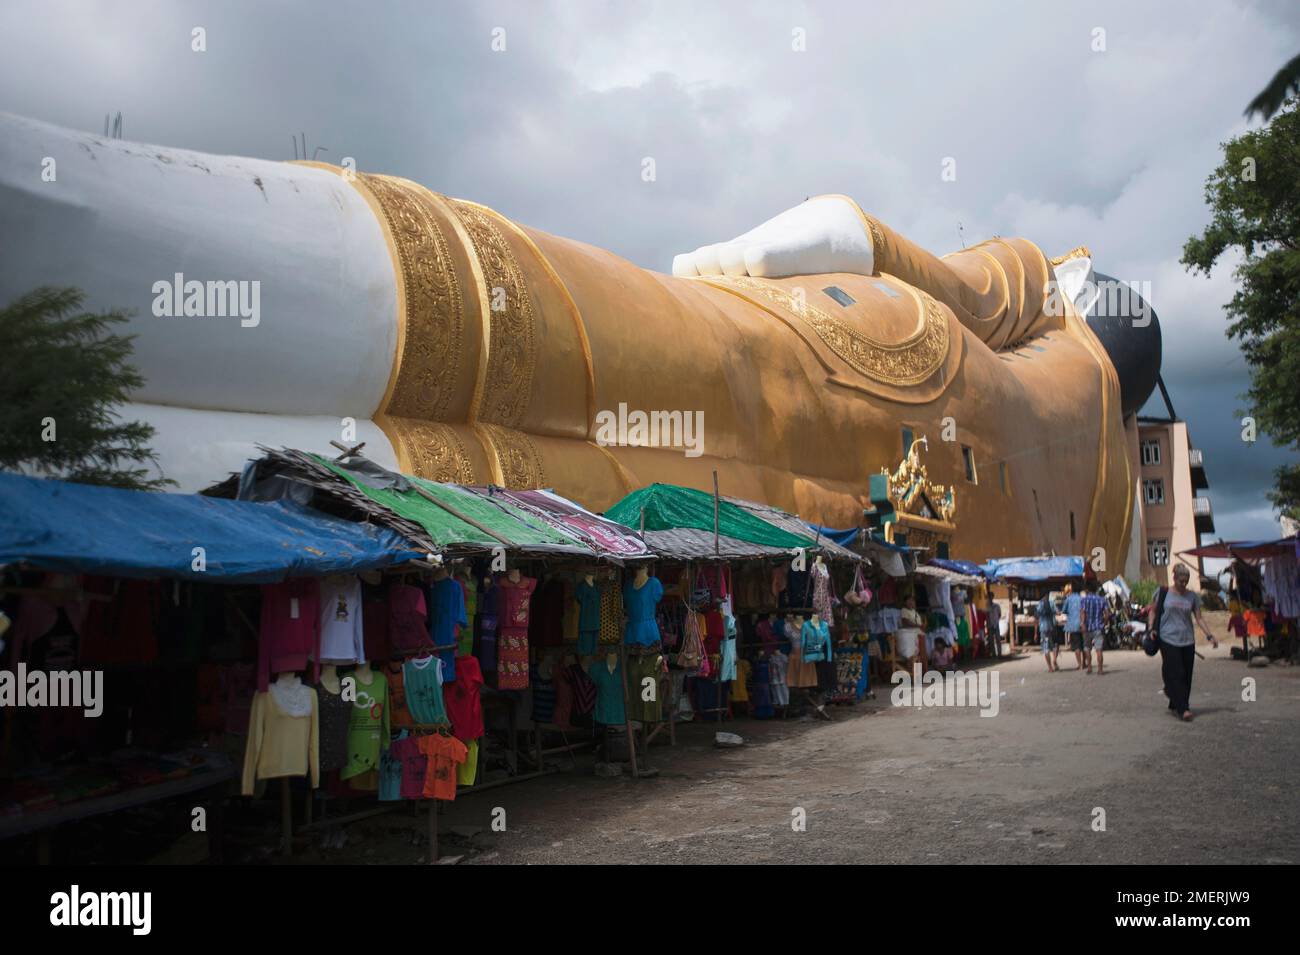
(467, 347)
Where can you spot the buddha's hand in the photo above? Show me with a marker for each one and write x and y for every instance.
(825, 234)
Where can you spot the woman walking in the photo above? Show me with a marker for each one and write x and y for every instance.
(1177, 637)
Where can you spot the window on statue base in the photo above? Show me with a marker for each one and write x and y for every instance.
(1002, 476)
(908, 437)
(968, 461)
(1158, 552)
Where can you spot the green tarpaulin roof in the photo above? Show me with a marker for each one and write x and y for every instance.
(520, 529)
(667, 507)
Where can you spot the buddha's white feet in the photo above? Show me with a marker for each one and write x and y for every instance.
(825, 234)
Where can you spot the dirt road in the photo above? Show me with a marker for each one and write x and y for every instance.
(893, 784)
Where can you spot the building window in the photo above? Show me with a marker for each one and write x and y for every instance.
(968, 459)
(1153, 490)
(1151, 452)
(1158, 552)
(1072, 530)
(1003, 477)
(908, 438)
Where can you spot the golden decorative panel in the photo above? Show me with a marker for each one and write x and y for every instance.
(518, 460)
(434, 450)
(512, 340)
(433, 336)
(906, 363)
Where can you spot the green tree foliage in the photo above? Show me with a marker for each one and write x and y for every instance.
(1254, 197)
(1285, 84)
(63, 374)
(1143, 591)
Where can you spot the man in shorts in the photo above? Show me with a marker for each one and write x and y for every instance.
(1072, 608)
(1095, 610)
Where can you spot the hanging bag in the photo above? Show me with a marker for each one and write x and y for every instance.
(1151, 642)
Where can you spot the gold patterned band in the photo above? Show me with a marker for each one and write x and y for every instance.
(512, 333)
(431, 327)
(431, 450)
(513, 456)
(908, 362)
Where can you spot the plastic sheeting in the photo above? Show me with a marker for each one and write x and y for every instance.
(1034, 568)
(58, 525)
(514, 528)
(667, 507)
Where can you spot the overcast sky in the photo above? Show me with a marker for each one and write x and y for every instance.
(1053, 140)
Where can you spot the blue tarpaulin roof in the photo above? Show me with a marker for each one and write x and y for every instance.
(57, 525)
(959, 566)
(1033, 568)
(845, 538)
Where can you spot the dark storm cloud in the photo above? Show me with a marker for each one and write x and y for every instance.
(1054, 139)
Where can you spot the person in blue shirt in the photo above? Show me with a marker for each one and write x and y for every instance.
(1046, 613)
(1095, 611)
(1072, 607)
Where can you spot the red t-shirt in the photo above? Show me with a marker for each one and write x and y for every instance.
(461, 698)
(408, 627)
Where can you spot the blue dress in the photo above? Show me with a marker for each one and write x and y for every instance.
(640, 607)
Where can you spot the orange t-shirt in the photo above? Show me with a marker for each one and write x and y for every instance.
(444, 754)
(399, 715)
(1255, 622)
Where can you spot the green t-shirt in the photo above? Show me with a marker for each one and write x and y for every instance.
(368, 732)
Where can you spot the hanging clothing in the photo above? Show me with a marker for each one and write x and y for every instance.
(727, 669)
(778, 670)
(587, 597)
(643, 672)
(1282, 583)
(368, 730)
(289, 633)
(341, 639)
(609, 692)
(761, 706)
(413, 768)
(546, 615)
(489, 620)
(611, 612)
(422, 680)
(283, 735)
(822, 600)
(446, 600)
(463, 702)
(800, 672)
(740, 682)
(815, 642)
(444, 754)
(465, 641)
(408, 618)
(467, 772)
(543, 694)
(639, 604)
(584, 690)
(335, 714)
(398, 712)
(375, 625)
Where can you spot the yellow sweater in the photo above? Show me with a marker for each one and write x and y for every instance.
(280, 744)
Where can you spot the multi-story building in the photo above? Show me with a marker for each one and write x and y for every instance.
(1173, 515)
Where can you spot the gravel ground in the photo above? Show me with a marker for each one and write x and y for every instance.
(900, 784)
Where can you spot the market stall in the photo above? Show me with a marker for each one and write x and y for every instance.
(148, 617)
